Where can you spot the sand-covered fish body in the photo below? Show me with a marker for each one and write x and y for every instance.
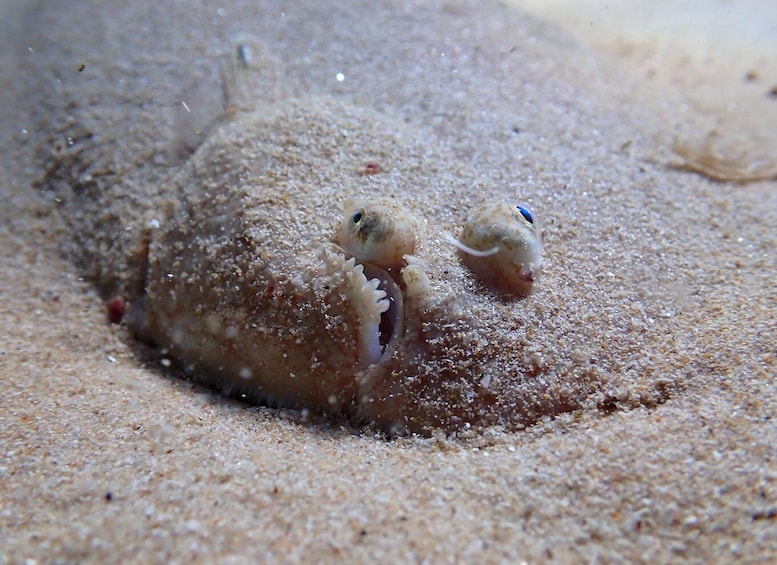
(219, 222)
(248, 287)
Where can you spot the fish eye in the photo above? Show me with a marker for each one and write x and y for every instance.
(377, 231)
(500, 249)
(526, 214)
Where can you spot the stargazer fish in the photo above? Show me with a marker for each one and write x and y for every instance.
(341, 222)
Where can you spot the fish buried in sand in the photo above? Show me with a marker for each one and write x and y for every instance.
(268, 265)
(340, 321)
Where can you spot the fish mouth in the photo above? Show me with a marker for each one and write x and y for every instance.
(380, 314)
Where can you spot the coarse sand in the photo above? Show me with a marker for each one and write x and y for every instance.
(661, 276)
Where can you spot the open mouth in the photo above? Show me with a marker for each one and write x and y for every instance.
(391, 318)
(381, 314)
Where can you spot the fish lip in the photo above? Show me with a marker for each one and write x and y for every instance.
(391, 325)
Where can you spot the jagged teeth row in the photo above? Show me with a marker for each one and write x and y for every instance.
(368, 290)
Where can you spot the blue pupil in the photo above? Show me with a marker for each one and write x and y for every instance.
(526, 214)
(357, 217)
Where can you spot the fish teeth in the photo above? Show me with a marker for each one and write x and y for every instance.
(378, 296)
(381, 303)
(371, 298)
(350, 265)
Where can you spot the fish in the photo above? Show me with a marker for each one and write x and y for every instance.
(236, 220)
(240, 285)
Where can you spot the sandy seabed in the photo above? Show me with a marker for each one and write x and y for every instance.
(108, 457)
